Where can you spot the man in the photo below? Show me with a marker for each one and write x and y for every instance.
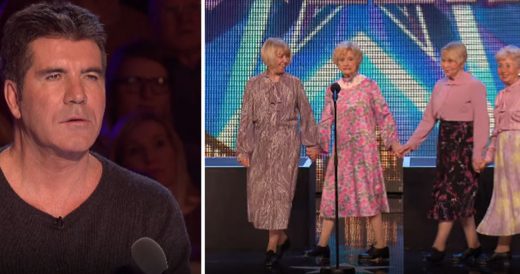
(63, 209)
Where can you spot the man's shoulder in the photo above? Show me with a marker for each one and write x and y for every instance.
(127, 182)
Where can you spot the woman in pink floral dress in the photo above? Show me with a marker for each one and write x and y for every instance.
(361, 190)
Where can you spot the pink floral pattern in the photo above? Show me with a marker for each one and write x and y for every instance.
(362, 108)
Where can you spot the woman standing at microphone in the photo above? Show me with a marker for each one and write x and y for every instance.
(361, 190)
(276, 120)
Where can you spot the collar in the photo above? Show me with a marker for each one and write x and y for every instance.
(461, 78)
(265, 75)
(514, 86)
(348, 80)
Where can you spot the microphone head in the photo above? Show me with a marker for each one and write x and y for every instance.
(335, 88)
(149, 256)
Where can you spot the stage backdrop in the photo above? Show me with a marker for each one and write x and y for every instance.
(401, 42)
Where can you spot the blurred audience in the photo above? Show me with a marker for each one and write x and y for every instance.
(176, 28)
(124, 21)
(147, 144)
(138, 79)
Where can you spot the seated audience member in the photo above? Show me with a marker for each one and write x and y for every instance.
(147, 144)
(137, 80)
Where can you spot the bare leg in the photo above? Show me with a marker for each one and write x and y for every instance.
(443, 232)
(274, 236)
(326, 229)
(468, 224)
(283, 237)
(504, 244)
(377, 225)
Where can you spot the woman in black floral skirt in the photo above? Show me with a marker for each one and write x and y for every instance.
(459, 102)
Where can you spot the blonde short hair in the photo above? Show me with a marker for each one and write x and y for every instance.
(342, 49)
(458, 48)
(509, 51)
(271, 47)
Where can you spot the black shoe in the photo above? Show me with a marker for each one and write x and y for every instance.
(498, 258)
(375, 254)
(468, 254)
(270, 258)
(435, 256)
(283, 247)
(321, 253)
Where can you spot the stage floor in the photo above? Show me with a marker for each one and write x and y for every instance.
(401, 261)
(294, 262)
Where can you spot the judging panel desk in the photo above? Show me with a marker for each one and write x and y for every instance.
(419, 231)
(227, 227)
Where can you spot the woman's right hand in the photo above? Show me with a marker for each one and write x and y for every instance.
(243, 160)
(405, 149)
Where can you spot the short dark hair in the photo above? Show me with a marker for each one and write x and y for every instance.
(136, 49)
(54, 20)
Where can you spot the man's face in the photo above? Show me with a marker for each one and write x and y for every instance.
(63, 98)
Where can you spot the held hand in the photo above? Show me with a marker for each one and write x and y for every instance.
(396, 148)
(405, 149)
(312, 152)
(476, 165)
(481, 165)
(243, 160)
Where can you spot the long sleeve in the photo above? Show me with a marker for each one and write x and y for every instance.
(384, 119)
(245, 139)
(327, 116)
(308, 129)
(480, 121)
(425, 126)
(490, 152)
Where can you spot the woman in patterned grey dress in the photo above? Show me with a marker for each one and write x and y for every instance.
(276, 119)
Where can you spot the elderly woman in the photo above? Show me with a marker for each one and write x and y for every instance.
(459, 101)
(361, 189)
(269, 143)
(502, 218)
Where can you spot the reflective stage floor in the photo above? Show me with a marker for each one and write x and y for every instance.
(355, 238)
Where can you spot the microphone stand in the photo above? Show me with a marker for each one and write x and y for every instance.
(335, 88)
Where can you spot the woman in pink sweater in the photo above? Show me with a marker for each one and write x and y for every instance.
(502, 217)
(459, 102)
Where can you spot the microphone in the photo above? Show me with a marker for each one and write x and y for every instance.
(335, 88)
(149, 256)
